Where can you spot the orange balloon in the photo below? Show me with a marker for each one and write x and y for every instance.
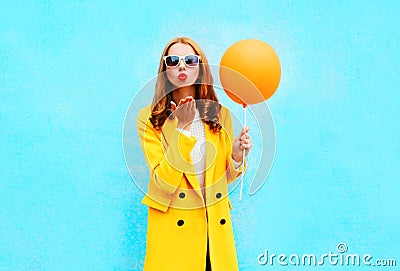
(250, 71)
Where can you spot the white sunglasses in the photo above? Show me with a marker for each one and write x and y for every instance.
(174, 60)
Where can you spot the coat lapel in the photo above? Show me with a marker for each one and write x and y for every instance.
(212, 141)
(168, 129)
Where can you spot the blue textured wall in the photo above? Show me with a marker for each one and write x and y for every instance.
(68, 72)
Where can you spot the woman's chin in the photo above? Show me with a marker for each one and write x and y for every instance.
(183, 83)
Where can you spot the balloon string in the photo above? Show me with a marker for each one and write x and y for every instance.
(244, 151)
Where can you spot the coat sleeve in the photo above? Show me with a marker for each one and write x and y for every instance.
(166, 165)
(231, 173)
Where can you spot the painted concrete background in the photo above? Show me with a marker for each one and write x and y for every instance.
(68, 72)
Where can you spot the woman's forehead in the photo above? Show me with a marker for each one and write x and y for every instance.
(180, 49)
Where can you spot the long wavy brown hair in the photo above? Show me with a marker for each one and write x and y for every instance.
(206, 99)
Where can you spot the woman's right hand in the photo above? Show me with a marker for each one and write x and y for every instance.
(185, 112)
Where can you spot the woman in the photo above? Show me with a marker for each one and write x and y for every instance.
(187, 140)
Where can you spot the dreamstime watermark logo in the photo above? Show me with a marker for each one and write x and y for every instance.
(342, 247)
(341, 258)
(136, 154)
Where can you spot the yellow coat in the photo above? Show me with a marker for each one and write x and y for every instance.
(180, 220)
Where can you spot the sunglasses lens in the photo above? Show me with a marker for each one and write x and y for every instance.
(192, 60)
(172, 61)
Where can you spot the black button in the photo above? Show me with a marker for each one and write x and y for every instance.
(218, 195)
(181, 195)
(180, 222)
(223, 221)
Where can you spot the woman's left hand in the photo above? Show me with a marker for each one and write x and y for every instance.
(242, 141)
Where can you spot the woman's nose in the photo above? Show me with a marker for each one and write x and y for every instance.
(181, 63)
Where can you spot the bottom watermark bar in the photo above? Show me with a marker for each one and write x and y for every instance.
(327, 258)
